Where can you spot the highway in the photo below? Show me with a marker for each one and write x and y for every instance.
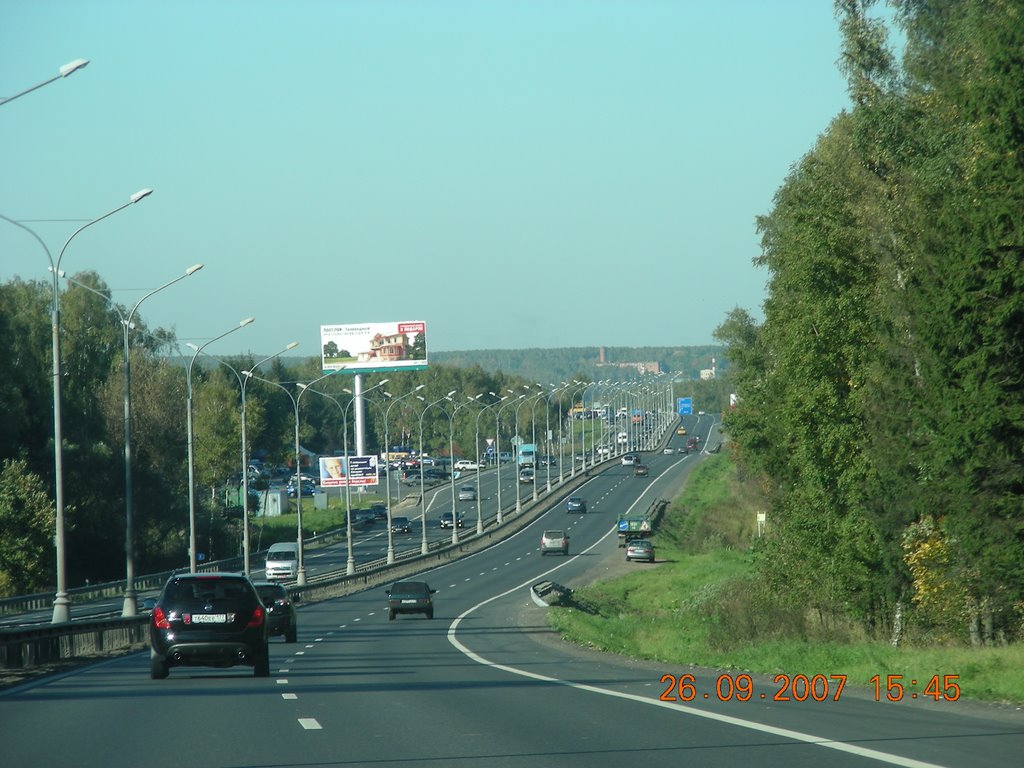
(483, 684)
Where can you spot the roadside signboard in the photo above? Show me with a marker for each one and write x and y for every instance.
(369, 347)
(340, 471)
(684, 406)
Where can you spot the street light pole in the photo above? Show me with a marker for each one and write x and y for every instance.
(351, 566)
(243, 381)
(451, 457)
(497, 448)
(547, 434)
(130, 607)
(533, 435)
(64, 71)
(191, 449)
(572, 426)
(387, 460)
(479, 471)
(61, 603)
(519, 482)
(424, 549)
(561, 417)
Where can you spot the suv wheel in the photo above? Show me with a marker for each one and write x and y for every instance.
(430, 613)
(262, 666)
(391, 615)
(290, 635)
(157, 669)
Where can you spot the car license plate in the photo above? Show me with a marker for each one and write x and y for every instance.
(209, 618)
(409, 601)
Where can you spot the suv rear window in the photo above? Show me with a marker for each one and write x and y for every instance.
(205, 590)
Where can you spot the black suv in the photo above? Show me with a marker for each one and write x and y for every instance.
(208, 620)
(280, 609)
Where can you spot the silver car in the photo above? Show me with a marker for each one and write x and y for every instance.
(640, 549)
(467, 493)
(554, 541)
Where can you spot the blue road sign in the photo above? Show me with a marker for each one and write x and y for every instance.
(684, 406)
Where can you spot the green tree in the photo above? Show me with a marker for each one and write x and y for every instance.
(27, 519)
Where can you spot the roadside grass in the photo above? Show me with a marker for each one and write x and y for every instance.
(270, 530)
(682, 610)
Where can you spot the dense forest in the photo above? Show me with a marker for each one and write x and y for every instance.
(882, 397)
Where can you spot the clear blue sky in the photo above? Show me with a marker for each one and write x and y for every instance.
(516, 174)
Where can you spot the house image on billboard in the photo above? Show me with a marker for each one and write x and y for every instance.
(386, 347)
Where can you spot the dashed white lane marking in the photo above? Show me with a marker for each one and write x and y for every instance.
(309, 646)
(282, 681)
(310, 724)
(289, 696)
(468, 579)
(355, 619)
(300, 653)
(283, 671)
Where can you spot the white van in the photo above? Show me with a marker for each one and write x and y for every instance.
(283, 561)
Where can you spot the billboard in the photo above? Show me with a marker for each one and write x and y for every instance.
(355, 470)
(371, 347)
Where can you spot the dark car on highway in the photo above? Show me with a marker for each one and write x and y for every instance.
(208, 620)
(410, 597)
(446, 520)
(400, 525)
(281, 617)
(308, 488)
(576, 504)
(640, 470)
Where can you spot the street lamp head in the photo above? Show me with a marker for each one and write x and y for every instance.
(73, 66)
(246, 322)
(193, 269)
(382, 382)
(451, 393)
(291, 346)
(190, 345)
(139, 195)
(421, 386)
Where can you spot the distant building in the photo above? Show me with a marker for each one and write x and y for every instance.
(650, 366)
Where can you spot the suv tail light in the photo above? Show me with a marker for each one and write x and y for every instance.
(256, 619)
(160, 618)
